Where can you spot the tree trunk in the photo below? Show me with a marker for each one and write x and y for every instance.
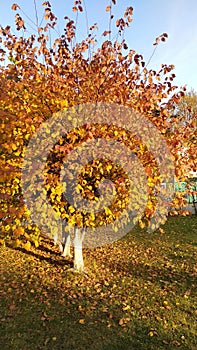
(66, 241)
(78, 254)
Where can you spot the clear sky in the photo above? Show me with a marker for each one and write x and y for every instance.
(178, 18)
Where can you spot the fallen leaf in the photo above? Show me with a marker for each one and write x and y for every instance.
(82, 321)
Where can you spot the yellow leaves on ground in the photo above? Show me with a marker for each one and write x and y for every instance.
(82, 321)
(127, 307)
(123, 321)
(152, 333)
(161, 230)
(140, 285)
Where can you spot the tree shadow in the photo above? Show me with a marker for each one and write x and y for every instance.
(44, 253)
(161, 275)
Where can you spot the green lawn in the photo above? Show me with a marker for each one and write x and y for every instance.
(139, 294)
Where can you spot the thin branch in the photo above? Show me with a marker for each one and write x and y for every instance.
(86, 17)
(110, 20)
(151, 56)
(36, 14)
(27, 17)
(41, 21)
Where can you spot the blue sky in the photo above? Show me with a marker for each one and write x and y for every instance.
(150, 19)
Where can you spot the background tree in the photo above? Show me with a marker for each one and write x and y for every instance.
(186, 109)
(184, 122)
(184, 115)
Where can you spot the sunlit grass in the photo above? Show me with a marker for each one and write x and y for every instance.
(140, 293)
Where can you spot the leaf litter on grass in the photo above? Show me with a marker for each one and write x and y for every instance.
(139, 292)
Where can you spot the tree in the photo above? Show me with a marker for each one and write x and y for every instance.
(186, 112)
(184, 126)
(43, 78)
(186, 109)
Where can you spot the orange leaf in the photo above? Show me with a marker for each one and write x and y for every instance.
(108, 8)
(14, 7)
(18, 231)
(106, 32)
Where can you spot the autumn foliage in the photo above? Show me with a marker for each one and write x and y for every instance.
(41, 75)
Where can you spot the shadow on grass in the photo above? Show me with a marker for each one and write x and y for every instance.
(44, 253)
(177, 277)
(38, 327)
(49, 318)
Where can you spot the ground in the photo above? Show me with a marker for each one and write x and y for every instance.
(139, 294)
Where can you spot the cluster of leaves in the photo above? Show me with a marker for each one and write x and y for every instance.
(97, 171)
(42, 76)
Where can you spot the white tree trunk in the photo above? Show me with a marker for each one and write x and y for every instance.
(78, 254)
(57, 237)
(66, 250)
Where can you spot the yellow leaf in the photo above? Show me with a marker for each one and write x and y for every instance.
(17, 243)
(108, 167)
(151, 334)
(14, 147)
(36, 244)
(64, 104)
(27, 245)
(121, 322)
(107, 211)
(141, 224)
(2, 242)
(127, 307)
(82, 321)
(71, 209)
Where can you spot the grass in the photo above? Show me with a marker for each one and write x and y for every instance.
(139, 294)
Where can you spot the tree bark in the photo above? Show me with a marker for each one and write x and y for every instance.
(66, 243)
(78, 254)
